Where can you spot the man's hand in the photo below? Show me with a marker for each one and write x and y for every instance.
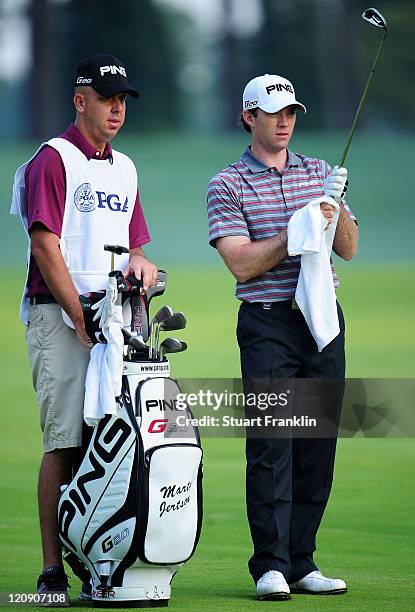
(327, 210)
(143, 270)
(335, 185)
(82, 335)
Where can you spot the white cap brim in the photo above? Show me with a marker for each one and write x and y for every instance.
(274, 106)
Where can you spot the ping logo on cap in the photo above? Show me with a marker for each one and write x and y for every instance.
(113, 70)
(279, 87)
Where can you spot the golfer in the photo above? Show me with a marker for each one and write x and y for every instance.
(250, 203)
(73, 196)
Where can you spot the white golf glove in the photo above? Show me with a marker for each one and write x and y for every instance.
(105, 307)
(335, 184)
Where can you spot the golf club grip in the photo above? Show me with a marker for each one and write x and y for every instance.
(116, 248)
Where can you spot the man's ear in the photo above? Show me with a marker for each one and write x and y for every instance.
(248, 118)
(79, 101)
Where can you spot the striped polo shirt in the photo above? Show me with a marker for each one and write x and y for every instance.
(250, 199)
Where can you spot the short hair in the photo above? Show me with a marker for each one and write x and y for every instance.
(247, 128)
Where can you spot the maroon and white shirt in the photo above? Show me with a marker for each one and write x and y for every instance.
(250, 199)
(45, 182)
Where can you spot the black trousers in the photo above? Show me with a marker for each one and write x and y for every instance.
(288, 479)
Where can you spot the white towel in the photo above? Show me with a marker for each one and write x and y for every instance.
(315, 293)
(104, 375)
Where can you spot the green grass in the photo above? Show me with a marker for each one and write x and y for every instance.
(367, 536)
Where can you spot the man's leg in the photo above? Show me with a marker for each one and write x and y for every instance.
(59, 363)
(55, 470)
(267, 339)
(313, 458)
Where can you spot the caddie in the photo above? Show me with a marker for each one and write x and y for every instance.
(73, 196)
(250, 205)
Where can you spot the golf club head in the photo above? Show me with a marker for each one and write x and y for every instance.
(137, 343)
(165, 312)
(160, 286)
(372, 16)
(171, 345)
(176, 321)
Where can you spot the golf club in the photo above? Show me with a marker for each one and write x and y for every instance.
(176, 321)
(165, 312)
(141, 304)
(159, 288)
(135, 343)
(372, 16)
(171, 345)
(115, 249)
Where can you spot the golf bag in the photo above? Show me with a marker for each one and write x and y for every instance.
(131, 517)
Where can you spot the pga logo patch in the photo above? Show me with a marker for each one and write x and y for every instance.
(84, 198)
(87, 200)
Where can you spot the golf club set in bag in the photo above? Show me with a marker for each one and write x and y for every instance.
(131, 517)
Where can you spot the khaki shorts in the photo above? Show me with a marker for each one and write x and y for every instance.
(59, 363)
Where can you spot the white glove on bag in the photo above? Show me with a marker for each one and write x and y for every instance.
(335, 184)
(105, 307)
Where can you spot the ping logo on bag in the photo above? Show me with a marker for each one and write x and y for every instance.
(77, 496)
(158, 426)
(161, 404)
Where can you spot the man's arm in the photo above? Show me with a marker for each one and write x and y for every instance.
(46, 251)
(346, 236)
(138, 234)
(246, 259)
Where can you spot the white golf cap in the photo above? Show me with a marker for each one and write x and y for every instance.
(270, 93)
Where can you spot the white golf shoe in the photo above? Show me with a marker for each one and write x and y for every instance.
(317, 584)
(272, 585)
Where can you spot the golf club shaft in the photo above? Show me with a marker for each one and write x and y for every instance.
(156, 340)
(362, 101)
(150, 352)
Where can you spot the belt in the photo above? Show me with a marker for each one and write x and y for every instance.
(270, 305)
(42, 299)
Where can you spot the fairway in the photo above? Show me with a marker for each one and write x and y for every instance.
(367, 536)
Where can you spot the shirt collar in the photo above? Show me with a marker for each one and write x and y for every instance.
(255, 165)
(78, 139)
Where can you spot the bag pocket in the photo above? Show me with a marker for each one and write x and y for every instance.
(172, 499)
